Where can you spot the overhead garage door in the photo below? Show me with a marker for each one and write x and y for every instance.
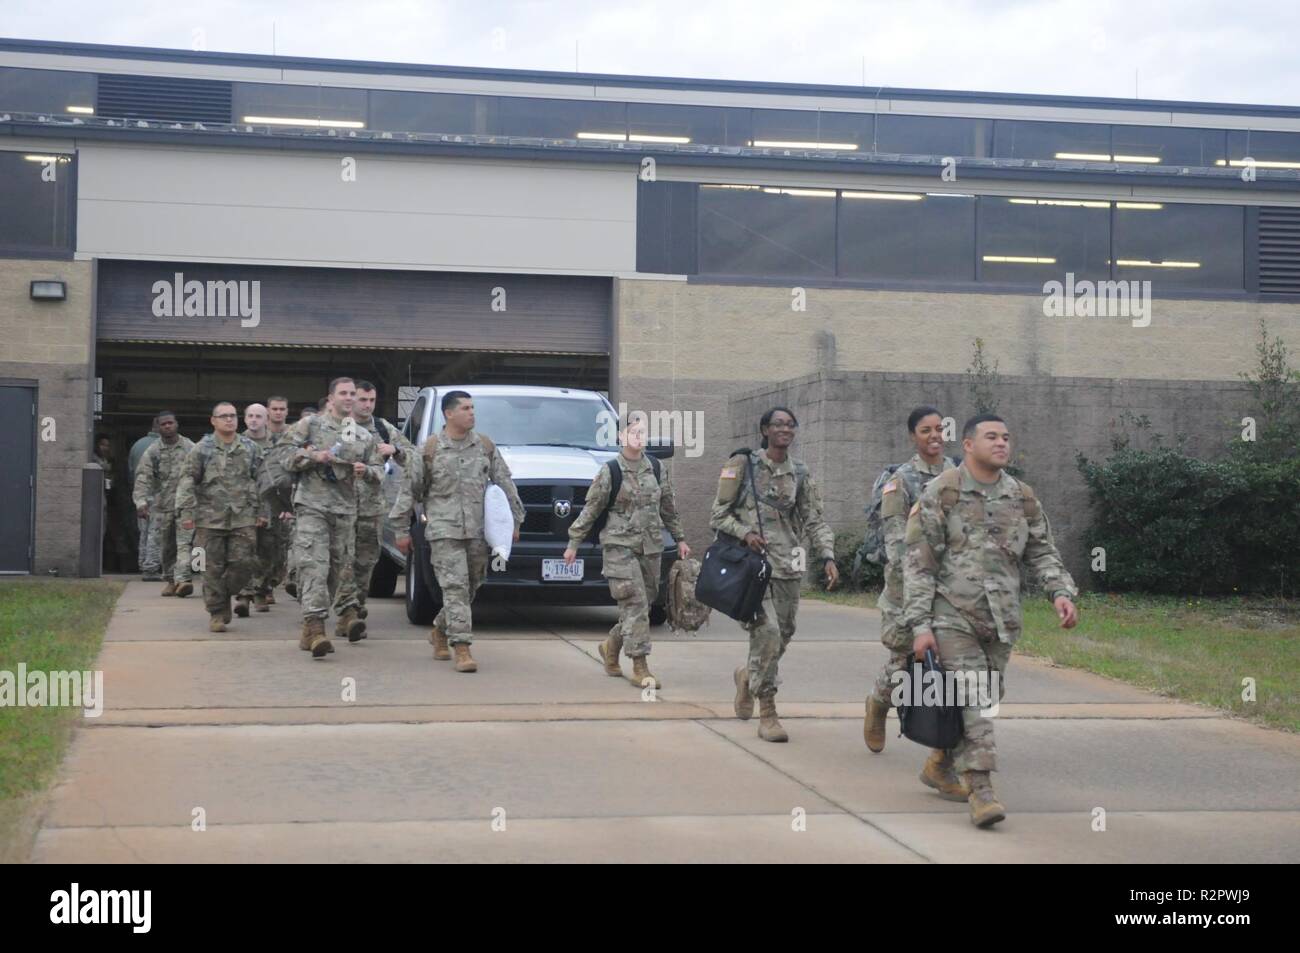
(352, 308)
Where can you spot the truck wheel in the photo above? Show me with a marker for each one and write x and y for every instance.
(658, 615)
(421, 605)
(383, 581)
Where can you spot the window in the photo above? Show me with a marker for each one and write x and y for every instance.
(907, 236)
(933, 136)
(1032, 240)
(709, 125)
(1063, 141)
(805, 129)
(1181, 246)
(1270, 150)
(312, 106)
(36, 195)
(758, 231)
(46, 91)
(1169, 146)
(561, 119)
(444, 113)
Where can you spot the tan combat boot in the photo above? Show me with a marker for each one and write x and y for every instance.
(985, 810)
(319, 645)
(744, 700)
(873, 726)
(216, 622)
(609, 651)
(260, 603)
(169, 589)
(769, 729)
(184, 589)
(939, 774)
(438, 639)
(304, 637)
(241, 607)
(641, 676)
(464, 661)
(349, 626)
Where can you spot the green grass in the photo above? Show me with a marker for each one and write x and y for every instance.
(49, 625)
(1187, 648)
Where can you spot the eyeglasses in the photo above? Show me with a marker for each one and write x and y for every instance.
(782, 425)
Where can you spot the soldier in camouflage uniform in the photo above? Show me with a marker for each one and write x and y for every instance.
(631, 545)
(371, 506)
(966, 539)
(259, 586)
(277, 410)
(450, 476)
(157, 477)
(925, 424)
(791, 508)
(217, 498)
(332, 454)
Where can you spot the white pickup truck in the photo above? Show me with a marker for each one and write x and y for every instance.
(554, 440)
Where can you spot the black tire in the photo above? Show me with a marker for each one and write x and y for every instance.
(421, 604)
(383, 581)
(658, 615)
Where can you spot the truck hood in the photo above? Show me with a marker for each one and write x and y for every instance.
(554, 463)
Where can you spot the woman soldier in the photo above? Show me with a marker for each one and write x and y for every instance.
(790, 508)
(631, 542)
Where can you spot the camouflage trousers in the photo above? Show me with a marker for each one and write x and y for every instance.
(770, 634)
(291, 559)
(323, 545)
(459, 565)
(899, 661)
(168, 526)
(228, 561)
(898, 639)
(634, 584)
(964, 652)
(365, 555)
(263, 580)
(182, 542)
(150, 553)
(279, 552)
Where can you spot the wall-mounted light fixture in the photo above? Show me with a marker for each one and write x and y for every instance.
(49, 290)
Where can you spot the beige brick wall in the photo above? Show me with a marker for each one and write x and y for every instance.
(44, 332)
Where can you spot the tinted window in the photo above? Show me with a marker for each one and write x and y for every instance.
(710, 125)
(796, 129)
(1191, 147)
(311, 104)
(934, 136)
(430, 112)
(560, 118)
(1182, 246)
(915, 236)
(46, 91)
(761, 232)
(36, 196)
(1064, 141)
(1032, 240)
(542, 420)
(1265, 147)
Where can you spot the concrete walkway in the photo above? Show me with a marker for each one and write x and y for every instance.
(247, 732)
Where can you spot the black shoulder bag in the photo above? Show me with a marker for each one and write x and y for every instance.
(733, 578)
(933, 726)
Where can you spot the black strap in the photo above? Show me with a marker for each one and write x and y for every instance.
(758, 508)
(383, 430)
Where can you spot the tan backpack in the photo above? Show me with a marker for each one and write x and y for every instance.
(685, 612)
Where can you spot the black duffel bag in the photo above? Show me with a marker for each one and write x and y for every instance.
(934, 726)
(733, 578)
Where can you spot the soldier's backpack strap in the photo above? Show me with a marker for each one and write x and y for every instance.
(382, 428)
(1029, 501)
(205, 451)
(488, 445)
(949, 483)
(427, 452)
(254, 451)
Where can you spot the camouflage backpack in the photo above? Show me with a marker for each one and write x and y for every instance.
(685, 612)
(873, 546)
(276, 479)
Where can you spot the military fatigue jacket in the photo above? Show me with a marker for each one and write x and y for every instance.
(370, 496)
(792, 508)
(895, 501)
(965, 544)
(218, 484)
(452, 489)
(332, 487)
(159, 473)
(637, 516)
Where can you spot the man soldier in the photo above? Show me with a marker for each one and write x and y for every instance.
(370, 496)
(631, 544)
(332, 454)
(453, 471)
(157, 477)
(258, 590)
(966, 539)
(791, 508)
(217, 497)
(149, 549)
(925, 424)
(277, 411)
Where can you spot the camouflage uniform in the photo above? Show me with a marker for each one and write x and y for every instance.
(283, 529)
(452, 491)
(631, 542)
(220, 495)
(792, 507)
(268, 537)
(370, 518)
(325, 508)
(965, 543)
(156, 479)
(896, 499)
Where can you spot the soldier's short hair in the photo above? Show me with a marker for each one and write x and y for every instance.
(366, 385)
(320, 404)
(637, 417)
(451, 400)
(918, 414)
(223, 403)
(968, 431)
(334, 384)
(274, 397)
(164, 413)
(308, 411)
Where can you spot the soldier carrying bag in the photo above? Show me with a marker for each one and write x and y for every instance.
(733, 578)
(934, 726)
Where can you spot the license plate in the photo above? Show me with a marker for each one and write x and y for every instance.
(555, 570)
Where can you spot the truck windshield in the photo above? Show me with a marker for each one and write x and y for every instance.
(533, 419)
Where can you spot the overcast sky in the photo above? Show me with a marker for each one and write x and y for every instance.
(1209, 50)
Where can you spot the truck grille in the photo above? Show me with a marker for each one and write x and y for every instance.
(539, 498)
